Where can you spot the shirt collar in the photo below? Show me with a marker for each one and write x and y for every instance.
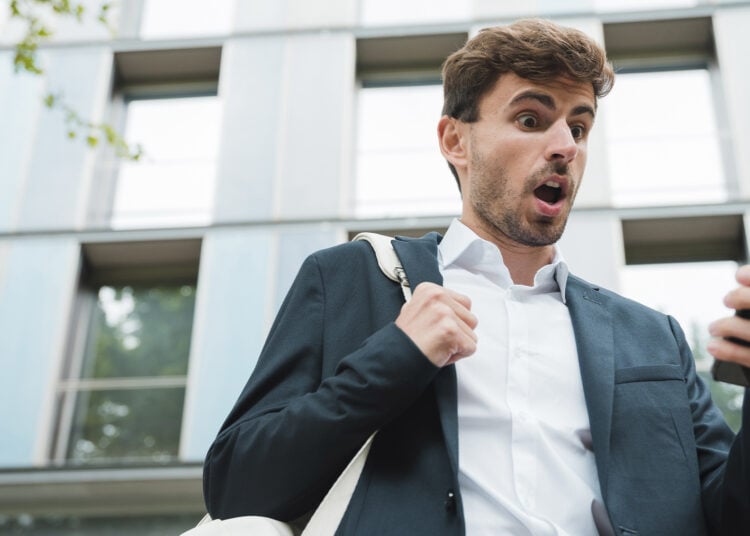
(463, 248)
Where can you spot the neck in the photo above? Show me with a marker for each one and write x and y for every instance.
(523, 262)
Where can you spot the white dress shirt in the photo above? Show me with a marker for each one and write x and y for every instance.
(523, 468)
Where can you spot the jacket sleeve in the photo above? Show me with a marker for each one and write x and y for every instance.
(725, 478)
(292, 431)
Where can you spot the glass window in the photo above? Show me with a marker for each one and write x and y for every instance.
(641, 5)
(386, 12)
(185, 18)
(692, 293)
(122, 399)
(663, 140)
(173, 184)
(400, 170)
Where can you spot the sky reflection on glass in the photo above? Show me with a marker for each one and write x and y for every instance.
(174, 183)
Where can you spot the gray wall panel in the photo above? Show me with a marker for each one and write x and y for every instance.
(250, 86)
(229, 330)
(316, 141)
(592, 246)
(20, 106)
(58, 178)
(36, 290)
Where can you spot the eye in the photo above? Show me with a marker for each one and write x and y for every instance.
(528, 121)
(577, 131)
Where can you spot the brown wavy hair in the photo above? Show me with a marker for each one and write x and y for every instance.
(534, 49)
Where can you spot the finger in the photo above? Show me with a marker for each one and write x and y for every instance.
(464, 314)
(731, 326)
(738, 298)
(725, 350)
(467, 326)
(460, 298)
(466, 348)
(459, 303)
(743, 275)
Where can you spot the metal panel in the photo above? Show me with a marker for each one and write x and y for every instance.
(36, 294)
(315, 141)
(251, 87)
(55, 192)
(228, 331)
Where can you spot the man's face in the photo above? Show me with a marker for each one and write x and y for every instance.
(525, 158)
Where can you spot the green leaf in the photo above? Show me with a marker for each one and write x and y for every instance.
(29, 13)
(110, 133)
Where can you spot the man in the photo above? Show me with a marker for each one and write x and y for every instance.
(510, 397)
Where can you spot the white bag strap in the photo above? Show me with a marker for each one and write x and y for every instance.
(388, 260)
(329, 513)
(331, 510)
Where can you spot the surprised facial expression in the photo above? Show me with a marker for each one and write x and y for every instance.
(525, 158)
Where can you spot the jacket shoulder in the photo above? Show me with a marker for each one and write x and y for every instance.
(615, 301)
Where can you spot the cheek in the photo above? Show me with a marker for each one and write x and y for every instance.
(578, 165)
(582, 156)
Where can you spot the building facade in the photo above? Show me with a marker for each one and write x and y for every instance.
(135, 296)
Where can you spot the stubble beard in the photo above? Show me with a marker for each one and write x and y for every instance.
(500, 212)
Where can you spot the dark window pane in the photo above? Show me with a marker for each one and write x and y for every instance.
(140, 332)
(136, 425)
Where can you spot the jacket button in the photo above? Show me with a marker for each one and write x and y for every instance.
(450, 501)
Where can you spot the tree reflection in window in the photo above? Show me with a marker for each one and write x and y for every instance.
(131, 388)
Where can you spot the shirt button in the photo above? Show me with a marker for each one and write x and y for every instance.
(450, 501)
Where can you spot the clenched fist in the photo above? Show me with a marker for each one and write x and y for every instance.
(440, 323)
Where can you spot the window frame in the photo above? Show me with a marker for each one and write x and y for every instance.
(675, 44)
(144, 75)
(157, 262)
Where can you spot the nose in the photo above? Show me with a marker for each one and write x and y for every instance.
(562, 147)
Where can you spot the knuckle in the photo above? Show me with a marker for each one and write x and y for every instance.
(448, 329)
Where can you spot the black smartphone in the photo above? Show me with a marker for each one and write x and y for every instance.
(723, 371)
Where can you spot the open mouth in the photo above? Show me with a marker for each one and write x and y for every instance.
(550, 192)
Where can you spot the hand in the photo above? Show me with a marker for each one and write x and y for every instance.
(733, 326)
(440, 323)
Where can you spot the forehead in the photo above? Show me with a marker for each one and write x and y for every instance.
(562, 93)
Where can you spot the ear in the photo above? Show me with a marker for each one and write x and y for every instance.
(453, 139)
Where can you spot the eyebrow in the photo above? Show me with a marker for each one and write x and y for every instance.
(547, 101)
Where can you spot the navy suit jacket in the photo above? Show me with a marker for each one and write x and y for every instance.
(335, 368)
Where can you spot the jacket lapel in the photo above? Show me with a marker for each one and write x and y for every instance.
(592, 325)
(419, 260)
